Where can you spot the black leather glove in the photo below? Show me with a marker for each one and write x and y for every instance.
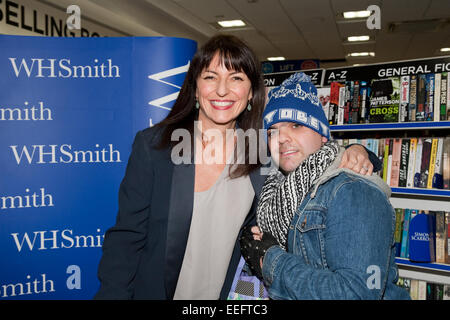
(253, 250)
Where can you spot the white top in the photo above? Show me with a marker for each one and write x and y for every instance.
(218, 215)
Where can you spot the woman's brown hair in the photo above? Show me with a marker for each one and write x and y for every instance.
(235, 55)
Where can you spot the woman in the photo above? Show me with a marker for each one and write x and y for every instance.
(177, 227)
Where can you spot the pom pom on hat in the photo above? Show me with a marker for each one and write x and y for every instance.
(295, 100)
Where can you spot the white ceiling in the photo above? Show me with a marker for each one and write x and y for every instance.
(295, 29)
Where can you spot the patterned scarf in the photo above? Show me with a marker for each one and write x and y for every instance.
(281, 195)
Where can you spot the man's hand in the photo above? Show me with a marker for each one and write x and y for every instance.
(356, 158)
(253, 250)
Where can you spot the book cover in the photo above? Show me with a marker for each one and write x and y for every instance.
(422, 290)
(433, 153)
(389, 163)
(446, 164)
(384, 100)
(355, 107)
(437, 97)
(429, 102)
(421, 238)
(438, 180)
(414, 291)
(404, 99)
(425, 165)
(412, 98)
(440, 237)
(334, 100)
(364, 93)
(376, 143)
(324, 98)
(443, 96)
(448, 97)
(439, 291)
(405, 233)
(399, 213)
(385, 160)
(446, 292)
(348, 100)
(411, 162)
(404, 160)
(341, 105)
(431, 291)
(413, 213)
(421, 97)
(447, 237)
(418, 162)
(395, 167)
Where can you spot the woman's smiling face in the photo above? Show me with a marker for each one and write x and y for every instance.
(222, 94)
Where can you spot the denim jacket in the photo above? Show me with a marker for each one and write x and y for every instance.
(340, 243)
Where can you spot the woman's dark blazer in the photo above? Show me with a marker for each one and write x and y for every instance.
(144, 250)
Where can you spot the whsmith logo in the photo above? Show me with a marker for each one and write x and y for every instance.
(56, 239)
(63, 68)
(41, 154)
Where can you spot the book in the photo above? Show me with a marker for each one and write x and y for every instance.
(389, 161)
(348, 100)
(384, 100)
(440, 237)
(411, 162)
(429, 102)
(438, 180)
(324, 98)
(395, 166)
(399, 213)
(430, 291)
(422, 290)
(404, 160)
(341, 105)
(446, 163)
(439, 292)
(385, 160)
(422, 237)
(418, 162)
(443, 96)
(364, 93)
(446, 292)
(437, 97)
(355, 107)
(448, 97)
(421, 97)
(433, 153)
(447, 238)
(412, 98)
(404, 252)
(334, 99)
(404, 99)
(414, 291)
(425, 166)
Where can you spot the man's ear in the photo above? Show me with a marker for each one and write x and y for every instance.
(324, 139)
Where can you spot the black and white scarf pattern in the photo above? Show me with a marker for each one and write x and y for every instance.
(281, 195)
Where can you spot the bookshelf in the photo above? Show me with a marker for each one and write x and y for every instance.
(422, 125)
(429, 272)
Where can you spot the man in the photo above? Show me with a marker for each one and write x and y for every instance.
(327, 232)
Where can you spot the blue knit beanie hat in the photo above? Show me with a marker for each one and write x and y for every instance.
(295, 100)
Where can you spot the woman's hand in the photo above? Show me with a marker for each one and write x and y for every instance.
(356, 158)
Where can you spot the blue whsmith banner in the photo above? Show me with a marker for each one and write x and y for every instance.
(69, 110)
